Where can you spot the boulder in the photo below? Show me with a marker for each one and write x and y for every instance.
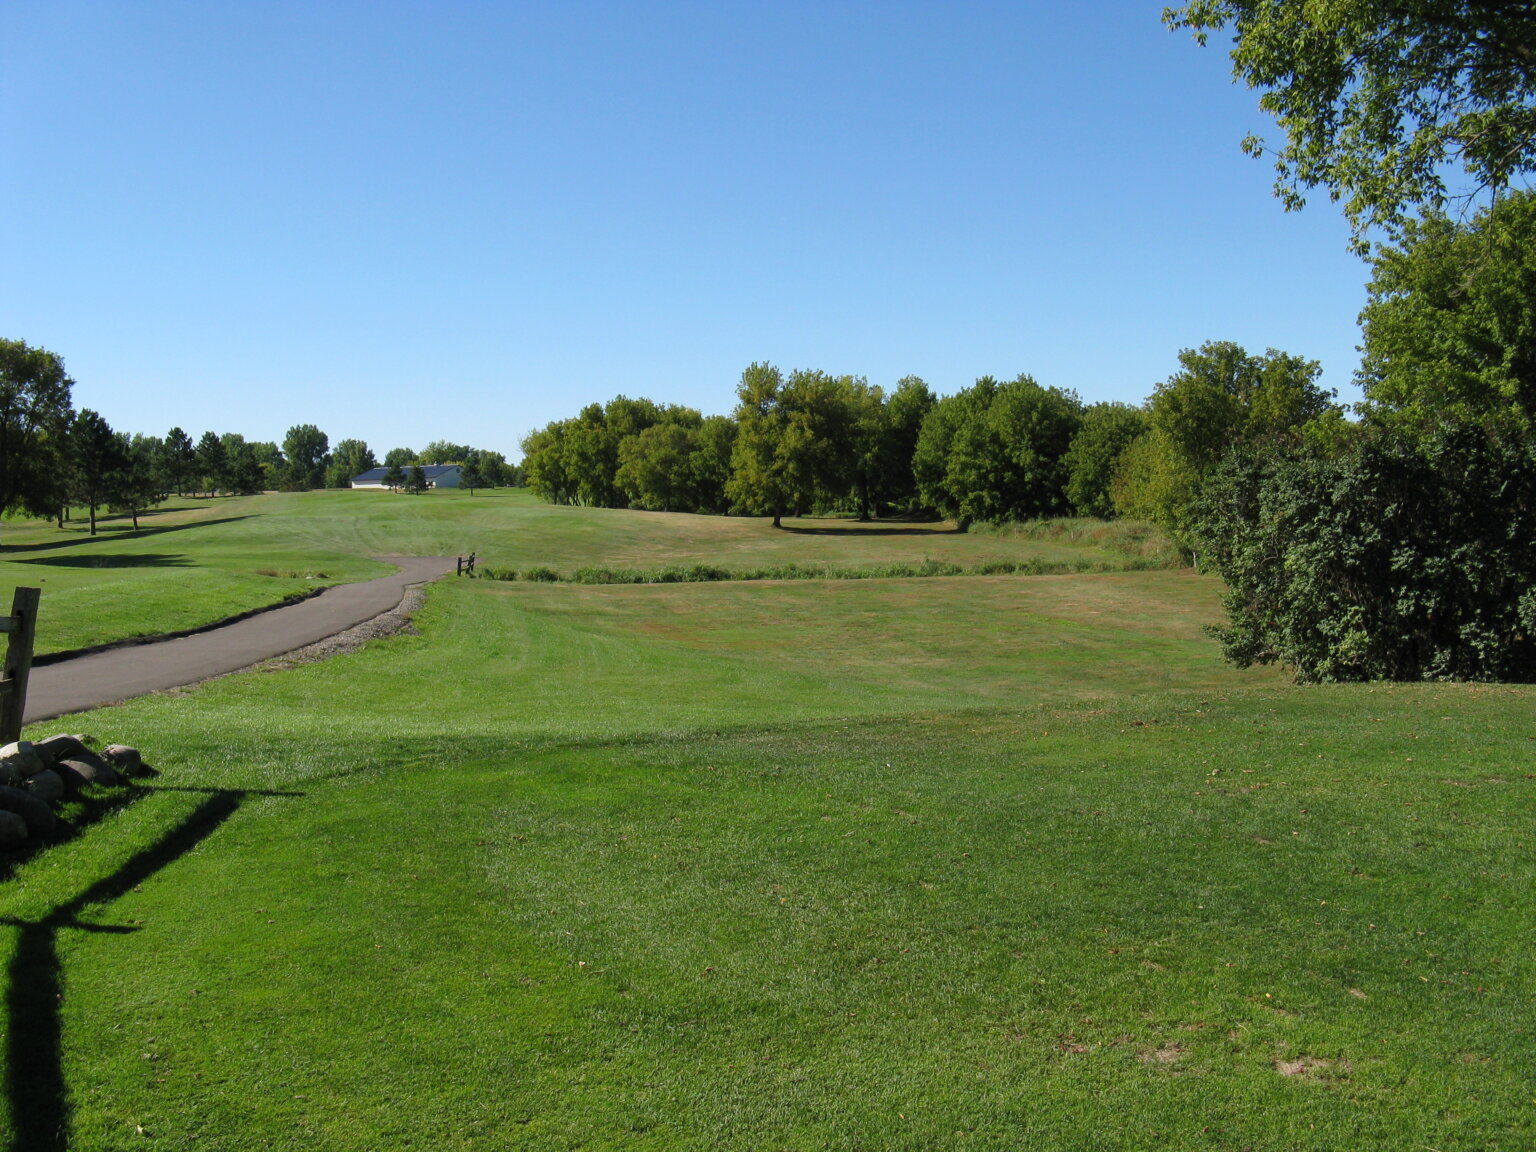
(79, 770)
(57, 748)
(125, 759)
(13, 830)
(47, 786)
(37, 816)
(22, 755)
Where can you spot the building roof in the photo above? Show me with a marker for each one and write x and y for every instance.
(433, 471)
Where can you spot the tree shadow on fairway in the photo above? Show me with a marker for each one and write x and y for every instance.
(120, 560)
(34, 1071)
(906, 530)
(130, 534)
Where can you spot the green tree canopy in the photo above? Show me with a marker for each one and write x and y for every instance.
(470, 477)
(443, 452)
(307, 450)
(403, 457)
(138, 484)
(212, 461)
(35, 414)
(795, 439)
(178, 461)
(351, 458)
(654, 467)
(243, 471)
(1106, 431)
(1380, 99)
(98, 458)
(1450, 326)
(994, 452)
(1221, 398)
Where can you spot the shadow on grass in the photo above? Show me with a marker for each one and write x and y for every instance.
(129, 534)
(120, 560)
(34, 1071)
(852, 530)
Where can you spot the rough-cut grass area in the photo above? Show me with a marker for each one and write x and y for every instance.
(949, 863)
(196, 561)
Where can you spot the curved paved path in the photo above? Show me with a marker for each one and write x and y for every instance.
(121, 673)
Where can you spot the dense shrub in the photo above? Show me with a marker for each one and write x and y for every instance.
(1397, 558)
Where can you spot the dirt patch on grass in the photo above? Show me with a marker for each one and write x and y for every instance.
(1167, 1054)
(1313, 1068)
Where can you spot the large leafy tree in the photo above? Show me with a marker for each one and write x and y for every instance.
(654, 467)
(545, 468)
(1106, 431)
(351, 458)
(709, 464)
(243, 470)
(995, 451)
(1381, 100)
(35, 415)
(1221, 398)
(796, 440)
(764, 476)
(307, 450)
(1450, 327)
(437, 452)
(905, 410)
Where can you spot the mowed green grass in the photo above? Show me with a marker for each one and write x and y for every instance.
(197, 561)
(995, 863)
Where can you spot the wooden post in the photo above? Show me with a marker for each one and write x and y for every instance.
(21, 625)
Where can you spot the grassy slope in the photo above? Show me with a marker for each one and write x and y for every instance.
(196, 561)
(845, 865)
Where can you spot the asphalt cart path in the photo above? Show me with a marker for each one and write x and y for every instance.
(135, 670)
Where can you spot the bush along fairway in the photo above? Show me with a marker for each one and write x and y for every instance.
(989, 862)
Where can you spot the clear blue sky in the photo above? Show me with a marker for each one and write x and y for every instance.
(410, 221)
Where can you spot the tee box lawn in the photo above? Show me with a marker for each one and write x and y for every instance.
(991, 862)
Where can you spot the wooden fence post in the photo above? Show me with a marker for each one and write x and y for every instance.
(21, 625)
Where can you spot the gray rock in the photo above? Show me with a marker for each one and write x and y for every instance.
(13, 830)
(57, 748)
(124, 758)
(22, 755)
(80, 770)
(39, 818)
(47, 786)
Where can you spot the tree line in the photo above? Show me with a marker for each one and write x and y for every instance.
(53, 458)
(810, 441)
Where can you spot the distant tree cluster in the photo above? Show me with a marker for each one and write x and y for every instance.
(53, 458)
